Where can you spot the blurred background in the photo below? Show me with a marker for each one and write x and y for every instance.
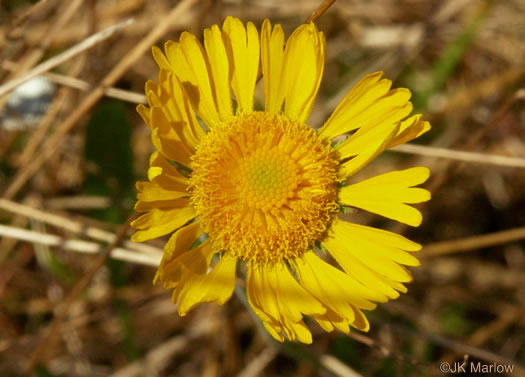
(72, 147)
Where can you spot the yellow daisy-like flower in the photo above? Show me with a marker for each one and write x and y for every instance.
(264, 188)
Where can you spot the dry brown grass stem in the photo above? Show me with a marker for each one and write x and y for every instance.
(319, 11)
(95, 95)
(35, 8)
(471, 349)
(42, 130)
(381, 348)
(35, 54)
(124, 95)
(497, 116)
(64, 56)
(506, 319)
(492, 329)
(77, 245)
(53, 111)
(62, 310)
(75, 227)
(473, 243)
(79, 202)
(472, 157)
(74, 83)
(258, 363)
(161, 355)
(337, 367)
(467, 97)
(463, 349)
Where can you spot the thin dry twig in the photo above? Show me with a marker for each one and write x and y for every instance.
(490, 330)
(319, 11)
(124, 95)
(79, 202)
(69, 225)
(497, 326)
(382, 349)
(160, 355)
(257, 365)
(337, 367)
(35, 8)
(95, 95)
(473, 243)
(73, 82)
(453, 345)
(77, 245)
(36, 53)
(463, 99)
(472, 157)
(42, 129)
(63, 309)
(54, 109)
(451, 170)
(461, 348)
(64, 56)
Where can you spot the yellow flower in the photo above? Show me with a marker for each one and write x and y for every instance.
(263, 188)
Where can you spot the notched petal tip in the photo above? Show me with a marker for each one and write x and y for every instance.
(160, 58)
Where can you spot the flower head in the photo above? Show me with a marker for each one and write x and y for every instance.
(264, 189)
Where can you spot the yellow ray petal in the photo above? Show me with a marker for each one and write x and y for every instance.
(387, 194)
(395, 242)
(164, 174)
(153, 94)
(260, 298)
(272, 56)
(145, 113)
(331, 320)
(160, 58)
(186, 267)
(168, 95)
(274, 329)
(159, 222)
(182, 240)
(242, 46)
(166, 140)
(409, 129)
(188, 62)
(361, 322)
(217, 286)
(370, 143)
(280, 302)
(367, 91)
(362, 273)
(303, 67)
(294, 300)
(379, 250)
(366, 275)
(179, 243)
(325, 323)
(297, 330)
(375, 107)
(150, 192)
(392, 108)
(325, 290)
(182, 116)
(396, 285)
(336, 290)
(220, 71)
(163, 205)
